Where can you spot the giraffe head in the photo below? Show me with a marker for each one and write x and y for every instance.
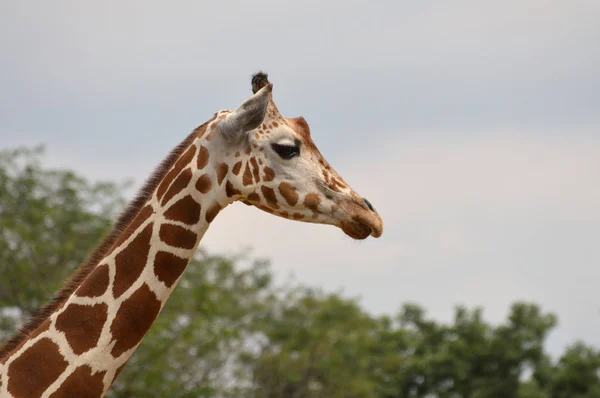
(272, 163)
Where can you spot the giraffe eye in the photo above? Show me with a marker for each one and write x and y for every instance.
(286, 151)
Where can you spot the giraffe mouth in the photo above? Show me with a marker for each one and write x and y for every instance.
(356, 230)
(361, 223)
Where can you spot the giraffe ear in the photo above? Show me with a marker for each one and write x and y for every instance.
(248, 116)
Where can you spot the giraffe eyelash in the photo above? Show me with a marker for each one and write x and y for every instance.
(286, 151)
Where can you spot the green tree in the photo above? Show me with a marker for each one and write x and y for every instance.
(312, 344)
(577, 373)
(49, 220)
(470, 358)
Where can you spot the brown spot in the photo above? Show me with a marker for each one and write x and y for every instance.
(133, 319)
(337, 182)
(203, 156)
(204, 184)
(297, 216)
(312, 201)
(82, 325)
(81, 383)
(183, 161)
(209, 135)
(41, 329)
(202, 129)
(237, 167)
(180, 183)
(142, 216)
(168, 267)
(288, 191)
(247, 150)
(247, 178)
(265, 208)
(238, 154)
(230, 190)
(253, 197)
(254, 146)
(130, 262)
(301, 128)
(270, 196)
(222, 170)
(35, 369)
(212, 212)
(275, 124)
(269, 174)
(185, 210)
(95, 284)
(264, 126)
(260, 161)
(176, 236)
(255, 169)
(262, 148)
(334, 187)
(284, 214)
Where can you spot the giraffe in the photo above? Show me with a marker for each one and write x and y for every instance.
(79, 342)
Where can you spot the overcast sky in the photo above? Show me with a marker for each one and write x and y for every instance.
(472, 126)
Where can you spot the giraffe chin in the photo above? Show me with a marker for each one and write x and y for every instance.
(356, 230)
(361, 227)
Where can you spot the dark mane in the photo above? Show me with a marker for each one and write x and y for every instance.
(103, 248)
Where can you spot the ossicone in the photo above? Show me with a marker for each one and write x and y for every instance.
(259, 80)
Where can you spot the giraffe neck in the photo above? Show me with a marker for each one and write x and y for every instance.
(83, 345)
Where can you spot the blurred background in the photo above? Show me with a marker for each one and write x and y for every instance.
(472, 126)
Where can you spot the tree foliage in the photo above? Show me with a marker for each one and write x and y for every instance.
(229, 331)
(49, 220)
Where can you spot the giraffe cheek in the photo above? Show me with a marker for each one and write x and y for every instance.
(247, 177)
(288, 191)
(269, 174)
(270, 196)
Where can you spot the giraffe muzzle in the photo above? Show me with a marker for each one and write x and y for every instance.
(362, 220)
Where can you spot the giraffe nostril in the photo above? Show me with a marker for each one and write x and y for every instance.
(369, 205)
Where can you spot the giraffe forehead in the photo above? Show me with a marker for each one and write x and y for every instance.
(302, 129)
(281, 127)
